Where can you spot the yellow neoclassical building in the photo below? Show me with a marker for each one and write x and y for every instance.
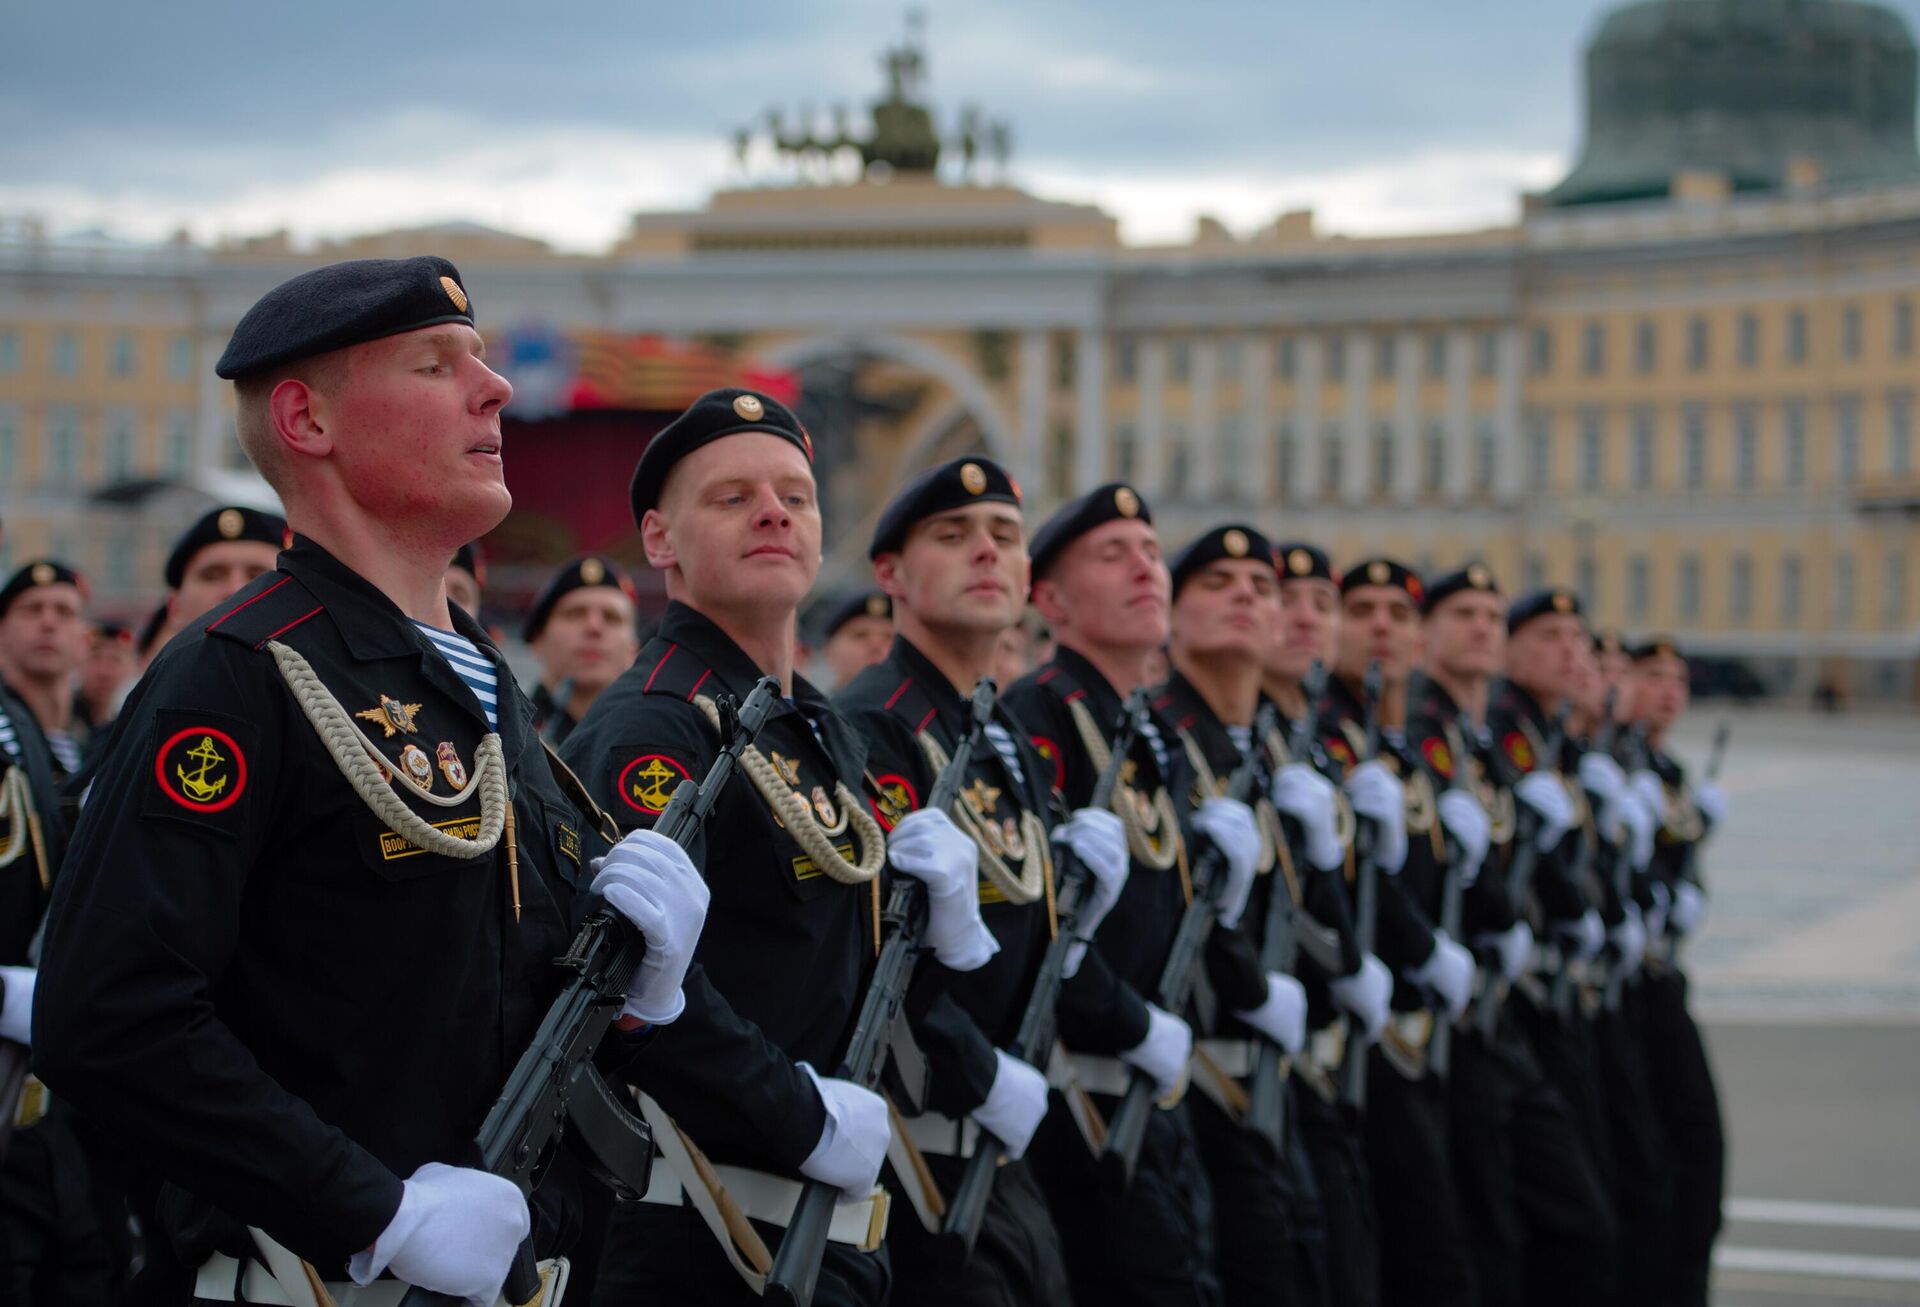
(1683, 380)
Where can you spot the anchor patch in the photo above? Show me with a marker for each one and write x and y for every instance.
(200, 767)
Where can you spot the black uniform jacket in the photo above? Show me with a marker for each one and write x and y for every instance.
(1409, 901)
(1104, 1011)
(22, 895)
(553, 722)
(1521, 728)
(779, 971)
(1456, 751)
(894, 704)
(276, 1002)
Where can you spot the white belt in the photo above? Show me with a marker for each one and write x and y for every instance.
(942, 1136)
(1233, 1057)
(227, 1279)
(772, 1198)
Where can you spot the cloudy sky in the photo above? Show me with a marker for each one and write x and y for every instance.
(559, 120)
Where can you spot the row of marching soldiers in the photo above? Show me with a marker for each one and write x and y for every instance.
(1294, 934)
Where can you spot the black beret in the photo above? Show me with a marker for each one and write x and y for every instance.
(150, 629)
(1383, 571)
(867, 604)
(1655, 646)
(344, 304)
(728, 411)
(580, 574)
(1609, 641)
(219, 524)
(1296, 560)
(1075, 518)
(947, 487)
(38, 572)
(468, 556)
(1229, 542)
(1543, 603)
(1474, 576)
(113, 633)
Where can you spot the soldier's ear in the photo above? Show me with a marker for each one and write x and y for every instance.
(654, 529)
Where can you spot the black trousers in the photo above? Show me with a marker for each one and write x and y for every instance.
(1147, 1246)
(1016, 1259)
(64, 1240)
(1689, 1107)
(1338, 1161)
(1424, 1257)
(1642, 1180)
(1540, 1221)
(658, 1254)
(1568, 1051)
(1270, 1237)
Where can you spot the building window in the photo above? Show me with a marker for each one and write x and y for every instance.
(1841, 597)
(1336, 358)
(1283, 447)
(120, 559)
(9, 352)
(177, 445)
(1332, 457)
(1540, 452)
(1646, 346)
(1693, 451)
(120, 357)
(1179, 463)
(1698, 342)
(117, 449)
(1436, 355)
(1486, 449)
(1689, 587)
(1126, 452)
(1065, 361)
(1586, 581)
(1846, 412)
(1283, 361)
(1540, 352)
(1382, 460)
(1740, 590)
(1902, 328)
(1639, 586)
(1126, 359)
(1436, 460)
(1850, 332)
(1790, 590)
(1593, 349)
(1793, 416)
(63, 447)
(1533, 572)
(1900, 432)
(1386, 353)
(180, 358)
(1232, 358)
(1487, 353)
(1746, 446)
(1749, 340)
(1180, 360)
(1593, 454)
(1643, 449)
(1227, 471)
(66, 354)
(1797, 336)
(9, 445)
(1893, 592)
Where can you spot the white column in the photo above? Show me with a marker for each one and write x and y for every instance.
(1256, 357)
(1356, 461)
(1031, 456)
(1151, 457)
(1091, 437)
(1406, 419)
(1459, 471)
(1203, 427)
(1307, 363)
(1507, 472)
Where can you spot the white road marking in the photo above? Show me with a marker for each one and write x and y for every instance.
(1835, 1216)
(1836, 1266)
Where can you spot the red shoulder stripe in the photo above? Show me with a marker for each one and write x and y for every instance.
(256, 599)
(657, 666)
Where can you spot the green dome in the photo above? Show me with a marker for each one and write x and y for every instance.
(1740, 87)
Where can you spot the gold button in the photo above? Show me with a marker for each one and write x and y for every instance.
(1235, 543)
(592, 571)
(973, 478)
(749, 407)
(1125, 502)
(230, 523)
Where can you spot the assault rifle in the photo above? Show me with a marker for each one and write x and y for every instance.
(1453, 892)
(1266, 1112)
(1366, 898)
(1526, 855)
(796, 1266)
(555, 1083)
(1034, 1035)
(1565, 984)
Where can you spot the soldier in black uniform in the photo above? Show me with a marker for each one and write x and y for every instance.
(308, 918)
(1102, 585)
(856, 633)
(1683, 814)
(581, 628)
(950, 552)
(1537, 1213)
(43, 635)
(1424, 1254)
(725, 500)
(1343, 984)
(1268, 1220)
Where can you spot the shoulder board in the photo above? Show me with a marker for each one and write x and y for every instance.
(1059, 681)
(267, 609)
(672, 670)
(911, 704)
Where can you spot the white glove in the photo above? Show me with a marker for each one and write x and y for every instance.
(650, 880)
(1657, 915)
(1164, 1052)
(853, 1142)
(1585, 934)
(1645, 789)
(1689, 908)
(1448, 972)
(1308, 797)
(1100, 842)
(1366, 996)
(1607, 783)
(16, 1005)
(1512, 949)
(1543, 792)
(1015, 1104)
(929, 847)
(1377, 795)
(1629, 938)
(1283, 1017)
(1640, 825)
(1230, 827)
(455, 1233)
(1711, 800)
(1466, 820)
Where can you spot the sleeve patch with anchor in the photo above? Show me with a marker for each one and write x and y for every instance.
(647, 783)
